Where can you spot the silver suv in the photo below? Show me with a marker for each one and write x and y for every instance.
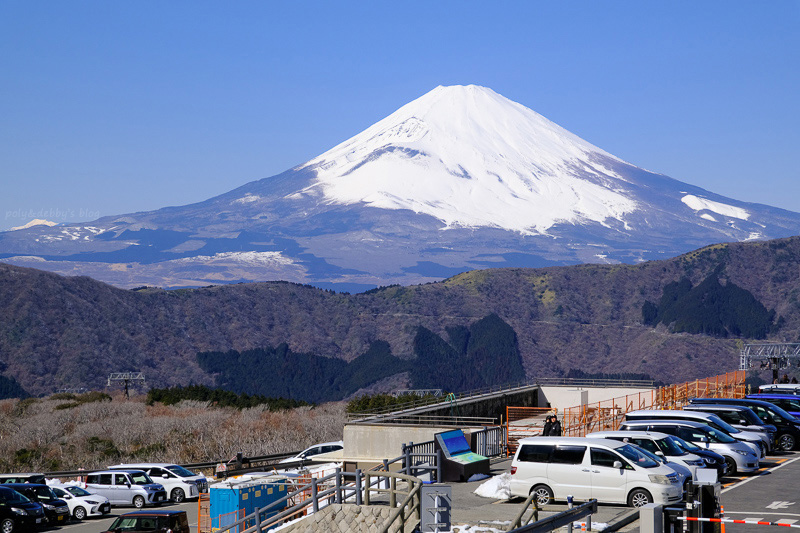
(179, 482)
(126, 487)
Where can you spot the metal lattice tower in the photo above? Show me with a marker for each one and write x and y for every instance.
(770, 356)
(126, 378)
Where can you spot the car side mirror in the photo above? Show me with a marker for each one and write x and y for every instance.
(660, 453)
(617, 464)
(165, 476)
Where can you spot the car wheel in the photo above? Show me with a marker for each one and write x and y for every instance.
(79, 513)
(639, 498)
(138, 502)
(544, 494)
(786, 442)
(7, 525)
(178, 495)
(731, 464)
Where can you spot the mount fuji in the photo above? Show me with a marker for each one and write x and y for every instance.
(458, 179)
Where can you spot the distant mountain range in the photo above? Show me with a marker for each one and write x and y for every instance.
(459, 179)
(674, 320)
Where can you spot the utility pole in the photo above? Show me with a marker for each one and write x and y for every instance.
(126, 378)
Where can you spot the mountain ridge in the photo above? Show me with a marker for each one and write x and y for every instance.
(64, 332)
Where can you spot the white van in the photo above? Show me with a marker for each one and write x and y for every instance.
(179, 482)
(584, 468)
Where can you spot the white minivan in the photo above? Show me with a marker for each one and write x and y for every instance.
(584, 468)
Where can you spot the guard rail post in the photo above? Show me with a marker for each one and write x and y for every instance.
(407, 454)
(314, 499)
(258, 519)
(338, 499)
(439, 466)
(385, 469)
(359, 494)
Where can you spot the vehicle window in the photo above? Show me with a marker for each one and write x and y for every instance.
(670, 447)
(636, 457)
(60, 492)
(601, 457)
(570, 455)
(120, 479)
(104, 479)
(44, 494)
(140, 478)
(77, 491)
(789, 404)
(669, 430)
(11, 497)
(647, 444)
(729, 417)
(719, 436)
(535, 453)
(181, 471)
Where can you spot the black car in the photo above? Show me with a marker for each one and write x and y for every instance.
(788, 426)
(55, 509)
(18, 513)
(151, 521)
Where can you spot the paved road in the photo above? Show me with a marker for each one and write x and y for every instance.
(96, 525)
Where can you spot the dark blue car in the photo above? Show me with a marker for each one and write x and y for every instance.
(788, 402)
(18, 513)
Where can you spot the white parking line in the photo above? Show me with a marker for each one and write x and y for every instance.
(748, 480)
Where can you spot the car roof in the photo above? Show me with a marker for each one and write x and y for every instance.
(734, 401)
(717, 406)
(15, 486)
(662, 422)
(665, 413)
(117, 471)
(634, 434)
(571, 440)
(772, 395)
(139, 466)
(153, 512)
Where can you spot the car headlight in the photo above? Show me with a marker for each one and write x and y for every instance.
(696, 462)
(742, 452)
(710, 460)
(660, 478)
(92, 502)
(48, 506)
(17, 510)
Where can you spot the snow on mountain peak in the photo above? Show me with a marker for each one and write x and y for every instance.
(473, 158)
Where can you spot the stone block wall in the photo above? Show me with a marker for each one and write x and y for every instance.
(345, 518)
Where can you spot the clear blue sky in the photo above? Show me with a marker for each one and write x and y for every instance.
(114, 107)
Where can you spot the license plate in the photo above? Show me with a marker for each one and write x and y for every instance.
(60, 517)
(39, 520)
(159, 498)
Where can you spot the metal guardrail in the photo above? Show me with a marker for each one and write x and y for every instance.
(504, 388)
(559, 520)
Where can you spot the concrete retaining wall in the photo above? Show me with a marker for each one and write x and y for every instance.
(563, 397)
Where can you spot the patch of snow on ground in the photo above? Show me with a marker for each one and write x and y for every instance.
(699, 204)
(498, 487)
(247, 198)
(596, 526)
(478, 477)
(248, 258)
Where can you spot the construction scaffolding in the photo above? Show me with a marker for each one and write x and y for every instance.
(770, 356)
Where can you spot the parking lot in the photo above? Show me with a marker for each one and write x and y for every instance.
(772, 495)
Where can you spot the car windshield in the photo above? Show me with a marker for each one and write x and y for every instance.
(181, 471)
(140, 478)
(751, 417)
(716, 435)
(684, 444)
(721, 425)
(139, 523)
(780, 416)
(637, 456)
(669, 447)
(45, 494)
(77, 491)
(11, 497)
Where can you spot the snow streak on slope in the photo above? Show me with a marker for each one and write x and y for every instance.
(470, 157)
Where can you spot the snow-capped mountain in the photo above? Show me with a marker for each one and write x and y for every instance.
(460, 178)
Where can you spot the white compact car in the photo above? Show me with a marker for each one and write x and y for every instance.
(610, 471)
(317, 449)
(179, 482)
(81, 502)
(660, 444)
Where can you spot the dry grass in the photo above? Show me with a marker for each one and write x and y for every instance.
(37, 436)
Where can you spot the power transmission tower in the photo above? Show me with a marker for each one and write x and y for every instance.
(126, 378)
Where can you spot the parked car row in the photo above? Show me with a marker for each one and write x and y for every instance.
(26, 501)
(655, 452)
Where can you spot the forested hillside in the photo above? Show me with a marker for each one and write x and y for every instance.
(675, 319)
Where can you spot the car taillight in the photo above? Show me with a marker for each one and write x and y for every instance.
(513, 470)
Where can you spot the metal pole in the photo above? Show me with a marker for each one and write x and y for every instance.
(359, 495)
(314, 499)
(439, 466)
(407, 454)
(386, 469)
(569, 506)
(258, 519)
(338, 485)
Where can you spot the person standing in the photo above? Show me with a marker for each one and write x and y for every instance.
(548, 424)
(555, 428)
